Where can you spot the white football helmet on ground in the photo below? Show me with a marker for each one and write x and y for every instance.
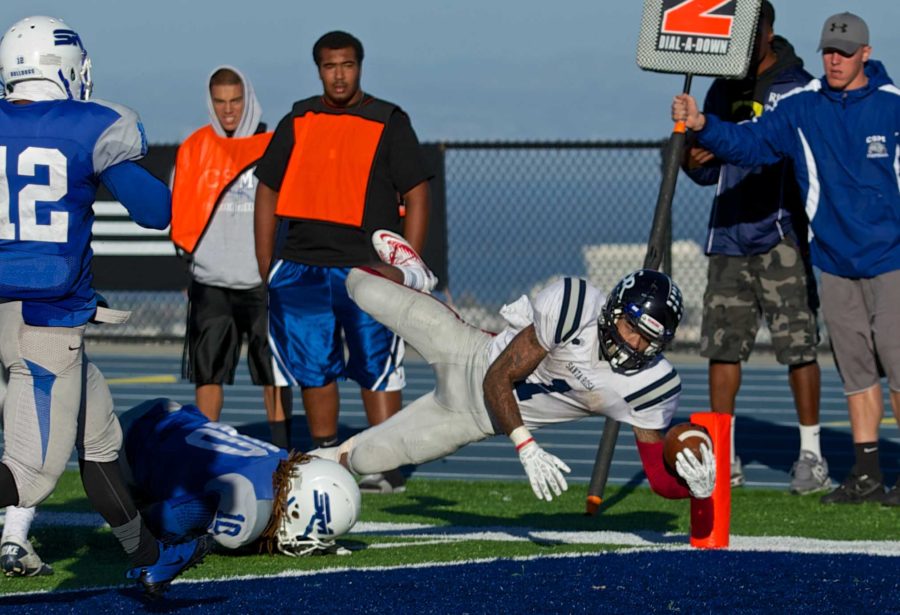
(323, 504)
(45, 48)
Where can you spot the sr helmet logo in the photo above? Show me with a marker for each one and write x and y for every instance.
(67, 37)
(321, 518)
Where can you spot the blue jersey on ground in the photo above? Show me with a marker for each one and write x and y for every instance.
(200, 474)
(52, 156)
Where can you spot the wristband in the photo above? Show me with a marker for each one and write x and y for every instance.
(520, 437)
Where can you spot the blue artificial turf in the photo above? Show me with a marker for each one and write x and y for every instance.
(643, 582)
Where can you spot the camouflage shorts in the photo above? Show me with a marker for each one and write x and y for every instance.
(741, 290)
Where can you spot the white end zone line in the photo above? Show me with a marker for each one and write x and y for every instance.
(418, 534)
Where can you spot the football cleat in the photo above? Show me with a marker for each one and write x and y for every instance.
(172, 561)
(893, 496)
(19, 560)
(384, 482)
(394, 250)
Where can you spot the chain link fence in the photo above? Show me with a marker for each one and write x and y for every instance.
(518, 216)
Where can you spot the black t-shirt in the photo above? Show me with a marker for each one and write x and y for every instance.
(398, 167)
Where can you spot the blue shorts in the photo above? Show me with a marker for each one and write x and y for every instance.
(311, 317)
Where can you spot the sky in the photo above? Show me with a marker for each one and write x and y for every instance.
(462, 69)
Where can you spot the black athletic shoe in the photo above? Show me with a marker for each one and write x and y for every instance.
(893, 496)
(854, 490)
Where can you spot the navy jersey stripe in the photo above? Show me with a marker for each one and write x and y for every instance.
(571, 310)
(657, 400)
(649, 388)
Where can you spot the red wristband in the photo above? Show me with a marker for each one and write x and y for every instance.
(521, 445)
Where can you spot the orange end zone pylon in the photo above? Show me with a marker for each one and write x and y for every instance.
(711, 518)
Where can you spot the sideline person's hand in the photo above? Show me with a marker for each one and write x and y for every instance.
(684, 109)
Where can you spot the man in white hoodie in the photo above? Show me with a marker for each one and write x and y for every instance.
(212, 222)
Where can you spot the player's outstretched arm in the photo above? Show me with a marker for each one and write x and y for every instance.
(515, 363)
(146, 198)
(662, 482)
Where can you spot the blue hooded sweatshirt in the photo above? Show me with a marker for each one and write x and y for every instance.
(845, 146)
(754, 208)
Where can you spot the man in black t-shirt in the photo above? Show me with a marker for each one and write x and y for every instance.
(340, 166)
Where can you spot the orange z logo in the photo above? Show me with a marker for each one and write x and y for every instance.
(693, 17)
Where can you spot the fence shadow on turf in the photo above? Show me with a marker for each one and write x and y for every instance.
(776, 446)
(439, 509)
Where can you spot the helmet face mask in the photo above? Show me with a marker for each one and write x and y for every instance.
(322, 503)
(45, 48)
(650, 303)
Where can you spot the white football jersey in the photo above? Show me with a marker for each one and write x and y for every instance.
(572, 381)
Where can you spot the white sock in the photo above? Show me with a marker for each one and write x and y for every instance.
(809, 439)
(18, 523)
(411, 278)
(733, 452)
(415, 277)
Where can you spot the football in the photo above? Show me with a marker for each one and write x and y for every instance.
(684, 436)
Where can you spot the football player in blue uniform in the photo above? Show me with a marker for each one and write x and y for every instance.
(56, 146)
(194, 476)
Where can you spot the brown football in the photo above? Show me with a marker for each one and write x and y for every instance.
(684, 436)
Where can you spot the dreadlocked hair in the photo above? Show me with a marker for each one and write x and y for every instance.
(281, 487)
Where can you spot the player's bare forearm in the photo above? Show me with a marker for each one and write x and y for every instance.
(515, 363)
(418, 209)
(647, 435)
(264, 224)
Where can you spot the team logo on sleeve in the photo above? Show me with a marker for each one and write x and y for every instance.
(144, 146)
(877, 147)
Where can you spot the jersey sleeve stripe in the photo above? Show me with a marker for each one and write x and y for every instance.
(574, 291)
(660, 390)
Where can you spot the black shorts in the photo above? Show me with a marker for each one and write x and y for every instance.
(218, 320)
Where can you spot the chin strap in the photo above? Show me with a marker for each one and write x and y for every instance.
(311, 545)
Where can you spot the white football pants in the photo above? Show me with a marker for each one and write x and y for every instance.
(56, 399)
(447, 418)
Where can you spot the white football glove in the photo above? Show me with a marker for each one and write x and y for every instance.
(700, 476)
(544, 471)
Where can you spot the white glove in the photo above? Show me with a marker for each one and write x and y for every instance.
(700, 476)
(544, 471)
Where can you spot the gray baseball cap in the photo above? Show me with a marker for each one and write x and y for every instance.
(844, 31)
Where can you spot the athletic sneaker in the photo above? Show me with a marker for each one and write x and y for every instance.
(19, 560)
(854, 490)
(737, 473)
(809, 474)
(394, 250)
(893, 496)
(386, 482)
(172, 561)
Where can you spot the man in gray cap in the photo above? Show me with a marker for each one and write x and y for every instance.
(841, 133)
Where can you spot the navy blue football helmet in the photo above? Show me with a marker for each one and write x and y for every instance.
(651, 302)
